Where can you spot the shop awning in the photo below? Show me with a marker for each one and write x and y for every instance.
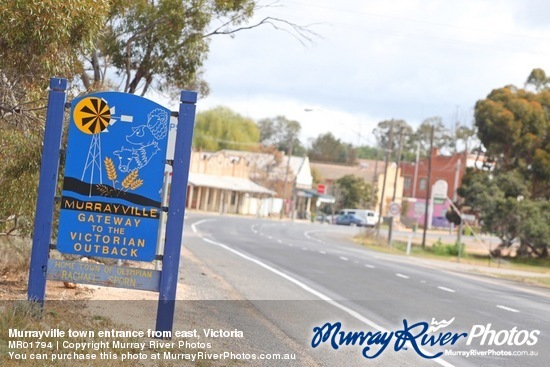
(322, 198)
(228, 183)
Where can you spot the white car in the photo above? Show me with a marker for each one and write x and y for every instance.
(370, 217)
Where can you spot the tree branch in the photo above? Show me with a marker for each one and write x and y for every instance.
(301, 32)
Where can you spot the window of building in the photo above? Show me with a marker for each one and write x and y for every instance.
(423, 184)
(407, 182)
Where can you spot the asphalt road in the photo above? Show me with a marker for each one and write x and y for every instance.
(299, 276)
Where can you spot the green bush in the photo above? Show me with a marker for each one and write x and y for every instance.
(441, 249)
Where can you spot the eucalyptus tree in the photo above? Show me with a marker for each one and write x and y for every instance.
(163, 44)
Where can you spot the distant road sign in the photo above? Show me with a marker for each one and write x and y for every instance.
(395, 209)
(321, 189)
(469, 217)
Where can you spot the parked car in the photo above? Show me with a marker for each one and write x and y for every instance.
(350, 220)
(324, 218)
(370, 217)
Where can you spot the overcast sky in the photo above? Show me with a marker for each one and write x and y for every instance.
(378, 60)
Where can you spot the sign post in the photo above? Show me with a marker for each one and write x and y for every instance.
(176, 213)
(46, 191)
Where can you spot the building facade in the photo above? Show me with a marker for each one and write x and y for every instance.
(446, 177)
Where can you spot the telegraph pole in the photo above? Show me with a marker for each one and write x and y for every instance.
(429, 188)
(388, 151)
(400, 150)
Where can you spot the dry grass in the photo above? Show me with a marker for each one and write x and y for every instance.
(14, 256)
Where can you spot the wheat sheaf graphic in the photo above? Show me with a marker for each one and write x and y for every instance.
(130, 182)
(111, 170)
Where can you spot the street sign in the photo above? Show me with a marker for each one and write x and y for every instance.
(439, 189)
(469, 217)
(114, 173)
(394, 209)
(321, 189)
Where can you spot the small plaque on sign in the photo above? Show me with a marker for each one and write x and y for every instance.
(103, 275)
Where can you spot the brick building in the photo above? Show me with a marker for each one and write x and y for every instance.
(446, 177)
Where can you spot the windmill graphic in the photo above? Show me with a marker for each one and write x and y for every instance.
(93, 116)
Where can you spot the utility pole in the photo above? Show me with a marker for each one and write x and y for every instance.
(400, 150)
(388, 151)
(290, 148)
(374, 181)
(415, 178)
(429, 188)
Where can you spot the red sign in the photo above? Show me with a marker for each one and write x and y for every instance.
(321, 189)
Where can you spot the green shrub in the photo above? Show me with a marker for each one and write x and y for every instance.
(441, 249)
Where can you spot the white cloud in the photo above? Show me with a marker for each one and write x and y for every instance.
(377, 60)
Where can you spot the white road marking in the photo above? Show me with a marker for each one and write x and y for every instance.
(193, 226)
(344, 258)
(507, 308)
(402, 276)
(316, 293)
(369, 266)
(447, 289)
(279, 241)
(422, 281)
(323, 252)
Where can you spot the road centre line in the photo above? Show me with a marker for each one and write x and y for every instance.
(507, 308)
(369, 266)
(316, 293)
(446, 289)
(402, 276)
(344, 258)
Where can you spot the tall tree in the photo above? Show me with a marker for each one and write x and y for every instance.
(465, 138)
(368, 152)
(442, 136)
(38, 39)
(283, 133)
(353, 192)
(382, 133)
(163, 44)
(400, 132)
(222, 128)
(513, 125)
(327, 148)
(537, 79)
(512, 200)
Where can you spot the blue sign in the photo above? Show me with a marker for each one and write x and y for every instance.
(114, 172)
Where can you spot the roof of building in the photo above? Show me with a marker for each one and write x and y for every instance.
(265, 164)
(227, 183)
(365, 168)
